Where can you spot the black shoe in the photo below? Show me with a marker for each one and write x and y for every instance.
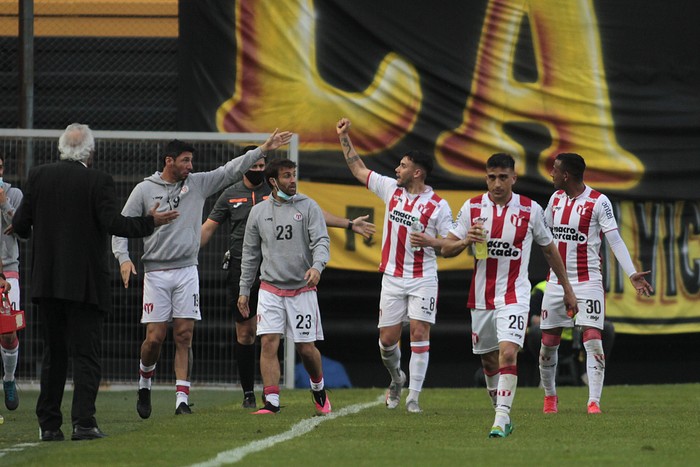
(143, 404)
(249, 401)
(52, 435)
(81, 433)
(183, 409)
(11, 396)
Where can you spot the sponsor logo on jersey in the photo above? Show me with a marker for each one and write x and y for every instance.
(400, 217)
(268, 219)
(608, 211)
(501, 249)
(158, 197)
(565, 233)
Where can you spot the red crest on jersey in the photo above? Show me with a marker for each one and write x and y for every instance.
(516, 220)
(581, 209)
(148, 307)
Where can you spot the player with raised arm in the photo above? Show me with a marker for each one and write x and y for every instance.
(415, 216)
(171, 279)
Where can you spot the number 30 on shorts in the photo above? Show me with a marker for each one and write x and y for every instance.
(593, 307)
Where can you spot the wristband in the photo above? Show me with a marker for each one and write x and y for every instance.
(350, 224)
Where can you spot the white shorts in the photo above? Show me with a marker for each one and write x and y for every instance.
(590, 298)
(404, 299)
(297, 317)
(489, 327)
(171, 293)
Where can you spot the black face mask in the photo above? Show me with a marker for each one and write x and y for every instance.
(255, 176)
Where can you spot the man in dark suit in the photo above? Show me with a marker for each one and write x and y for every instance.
(72, 211)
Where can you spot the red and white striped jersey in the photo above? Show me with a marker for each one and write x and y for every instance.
(402, 208)
(578, 226)
(502, 278)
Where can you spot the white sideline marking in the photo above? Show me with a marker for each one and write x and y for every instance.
(303, 427)
(19, 447)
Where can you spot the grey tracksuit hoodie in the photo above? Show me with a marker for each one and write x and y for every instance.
(176, 245)
(9, 247)
(290, 237)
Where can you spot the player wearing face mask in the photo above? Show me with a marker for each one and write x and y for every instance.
(235, 204)
(286, 238)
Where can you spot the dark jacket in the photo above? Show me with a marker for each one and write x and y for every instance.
(73, 210)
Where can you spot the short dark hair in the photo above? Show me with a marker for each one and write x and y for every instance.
(500, 160)
(573, 164)
(176, 147)
(421, 159)
(248, 148)
(272, 170)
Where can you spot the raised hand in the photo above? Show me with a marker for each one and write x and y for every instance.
(343, 126)
(276, 140)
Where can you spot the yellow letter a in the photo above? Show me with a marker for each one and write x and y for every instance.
(570, 96)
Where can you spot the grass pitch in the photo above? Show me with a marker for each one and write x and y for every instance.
(641, 425)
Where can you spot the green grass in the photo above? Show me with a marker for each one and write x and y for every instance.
(641, 425)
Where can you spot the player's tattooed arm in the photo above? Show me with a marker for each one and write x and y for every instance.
(357, 167)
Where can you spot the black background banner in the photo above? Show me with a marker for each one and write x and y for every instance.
(650, 80)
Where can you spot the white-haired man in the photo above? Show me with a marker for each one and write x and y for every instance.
(70, 211)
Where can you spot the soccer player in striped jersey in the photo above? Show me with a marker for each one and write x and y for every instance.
(499, 297)
(415, 216)
(579, 216)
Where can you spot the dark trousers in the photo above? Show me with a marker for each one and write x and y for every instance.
(69, 329)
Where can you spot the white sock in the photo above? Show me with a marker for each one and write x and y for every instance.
(9, 361)
(549, 357)
(273, 399)
(146, 375)
(316, 386)
(595, 368)
(182, 392)
(417, 368)
(391, 356)
(492, 386)
(507, 383)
